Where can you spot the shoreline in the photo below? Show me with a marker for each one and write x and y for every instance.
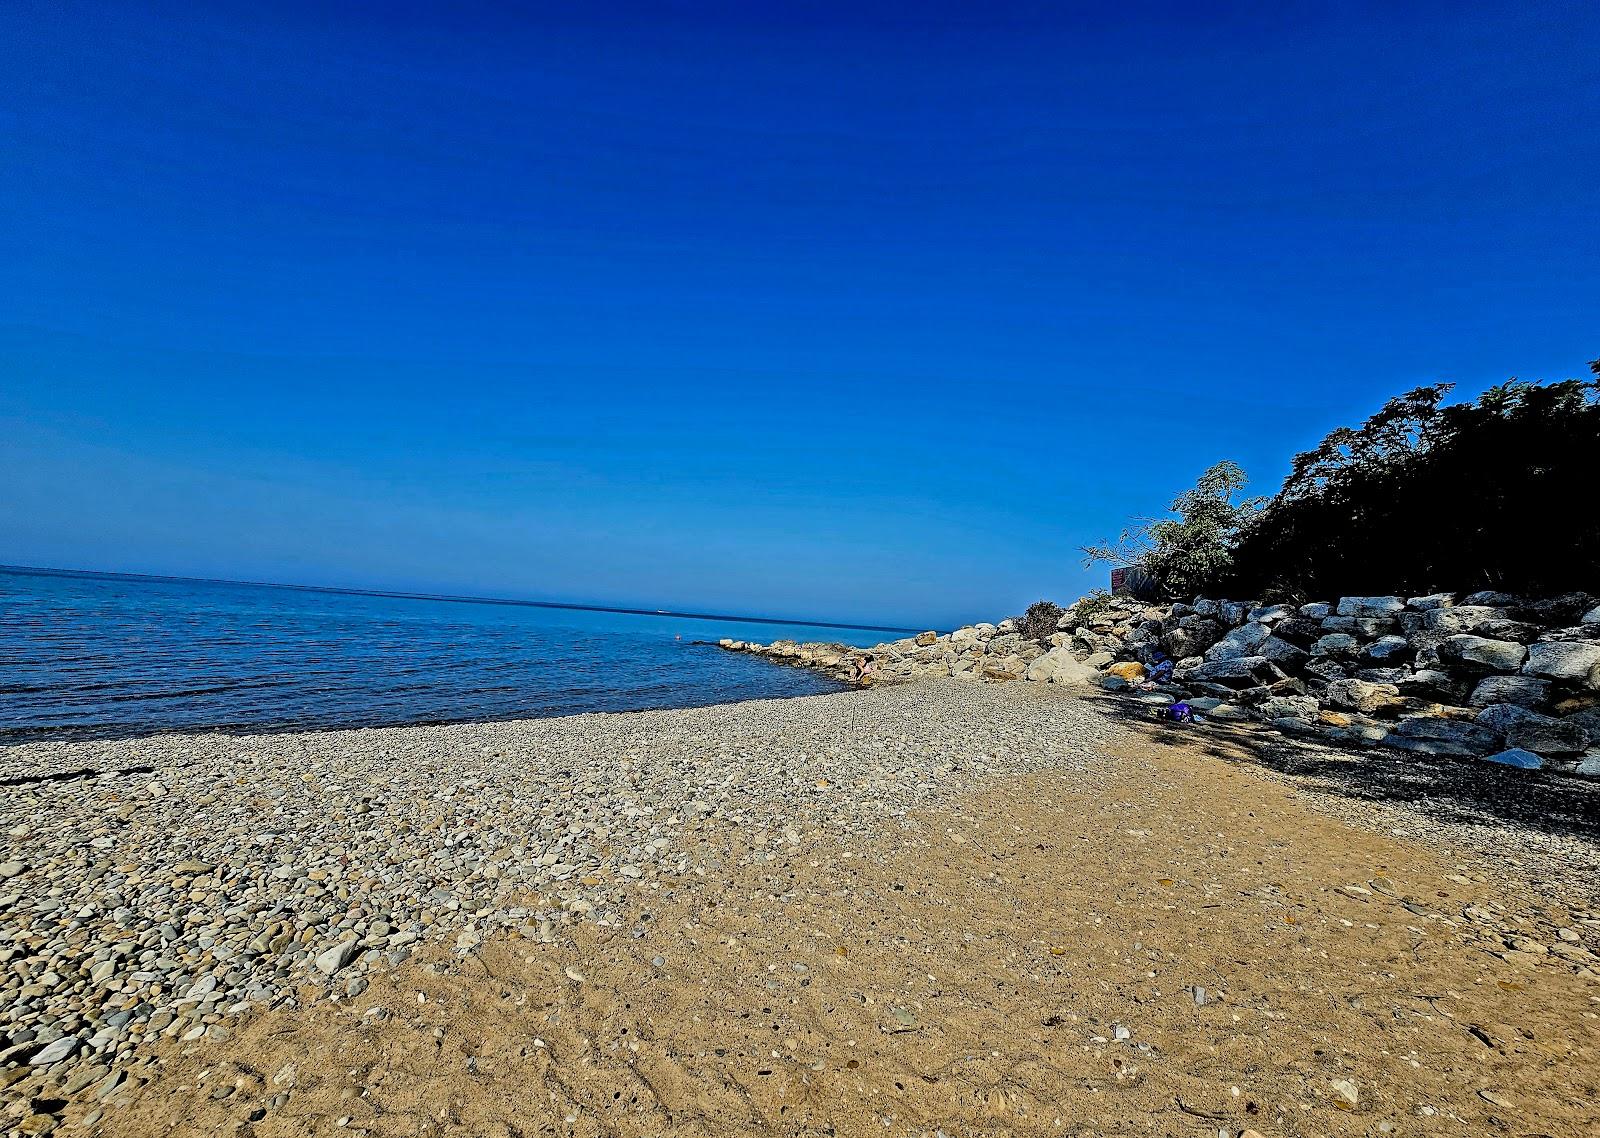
(924, 813)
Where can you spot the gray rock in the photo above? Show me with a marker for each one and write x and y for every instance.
(1059, 666)
(1337, 644)
(1363, 626)
(1370, 606)
(1242, 641)
(1317, 610)
(1592, 616)
(1325, 669)
(1233, 612)
(1290, 707)
(1432, 683)
(1534, 732)
(1383, 675)
(1389, 649)
(1359, 695)
(1520, 631)
(1524, 691)
(1181, 642)
(338, 956)
(1490, 597)
(1267, 614)
(1577, 661)
(1286, 656)
(1439, 736)
(1501, 655)
(54, 1052)
(1461, 618)
(1432, 601)
(1516, 757)
(1238, 671)
(9, 869)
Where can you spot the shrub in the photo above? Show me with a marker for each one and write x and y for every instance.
(1187, 554)
(1086, 608)
(1039, 622)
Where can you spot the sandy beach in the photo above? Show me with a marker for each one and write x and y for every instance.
(936, 907)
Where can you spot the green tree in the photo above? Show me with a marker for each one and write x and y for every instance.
(1187, 554)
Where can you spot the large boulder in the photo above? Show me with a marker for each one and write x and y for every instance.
(1233, 612)
(1003, 667)
(1242, 641)
(1432, 601)
(1370, 606)
(1497, 655)
(924, 639)
(1532, 731)
(1299, 630)
(1317, 610)
(1592, 616)
(1004, 644)
(1269, 614)
(1432, 683)
(1181, 642)
(1059, 666)
(1288, 657)
(1362, 696)
(1340, 645)
(1461, 618)
(1389, 649)
(1324, 669)
(1235, 672)
(1301, 707)
(1519, 630)
(1491, 597)
(1568, 608)
(1523, 691)
(1364, 626)
(1574, 661)
(1433, 735)
(963, 638)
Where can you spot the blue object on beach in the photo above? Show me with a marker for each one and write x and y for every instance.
(1181, 712)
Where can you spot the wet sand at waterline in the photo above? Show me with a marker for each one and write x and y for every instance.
(1157, 934)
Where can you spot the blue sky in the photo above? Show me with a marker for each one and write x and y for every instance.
(853, 312)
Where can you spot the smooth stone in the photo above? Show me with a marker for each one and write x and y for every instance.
(1516, 757)
(55, 1052)
(338, 956)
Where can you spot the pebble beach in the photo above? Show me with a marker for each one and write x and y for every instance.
(164, 898)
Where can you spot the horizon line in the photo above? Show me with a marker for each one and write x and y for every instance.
(453, 598)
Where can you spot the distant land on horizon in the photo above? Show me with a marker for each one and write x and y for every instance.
(44, 571)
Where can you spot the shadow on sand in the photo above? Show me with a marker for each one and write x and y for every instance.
(1448, 789)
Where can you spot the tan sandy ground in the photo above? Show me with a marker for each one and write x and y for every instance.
(969, 975)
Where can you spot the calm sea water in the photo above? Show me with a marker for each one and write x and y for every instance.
(98, 655)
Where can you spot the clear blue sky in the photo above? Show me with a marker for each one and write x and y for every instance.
(854, 312)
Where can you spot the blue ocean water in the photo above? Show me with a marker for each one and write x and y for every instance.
(91, 655)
